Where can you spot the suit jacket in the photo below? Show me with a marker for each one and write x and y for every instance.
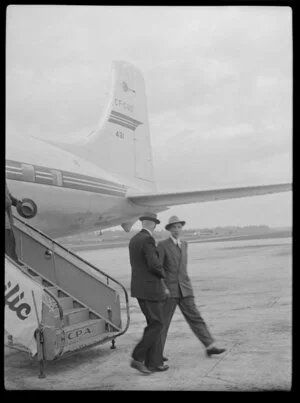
(146, 270)
(174, 261)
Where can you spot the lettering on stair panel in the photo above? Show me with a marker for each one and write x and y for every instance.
(13, 298)
(75, 336)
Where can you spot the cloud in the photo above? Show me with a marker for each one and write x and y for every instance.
(244, 157)
(218, 83)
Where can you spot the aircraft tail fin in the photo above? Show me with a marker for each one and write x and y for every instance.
(121, 142)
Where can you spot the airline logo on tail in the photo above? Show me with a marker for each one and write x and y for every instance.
(126, 88)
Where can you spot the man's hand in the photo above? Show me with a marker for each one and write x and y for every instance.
(167, 292)
(18, 203)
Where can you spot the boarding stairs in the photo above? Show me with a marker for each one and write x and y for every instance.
(82, 307)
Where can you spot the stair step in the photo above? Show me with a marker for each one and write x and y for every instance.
(53, 290)
(84, 343)
(75, 335)
(84, 330)
(30, 271)
(66, 302)
(33, 275)
(72, 316)
(25, 268)
(38, 279)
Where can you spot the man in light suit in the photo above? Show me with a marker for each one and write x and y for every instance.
(173, 257)
(147, 286)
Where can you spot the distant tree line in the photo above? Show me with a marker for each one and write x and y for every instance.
(160, 234)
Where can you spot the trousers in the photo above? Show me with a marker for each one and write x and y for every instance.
(192, 316)
(149, 348)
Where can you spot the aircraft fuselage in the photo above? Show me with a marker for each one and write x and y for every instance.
(72, 195)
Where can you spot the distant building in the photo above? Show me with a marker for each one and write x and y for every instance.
(98, 233)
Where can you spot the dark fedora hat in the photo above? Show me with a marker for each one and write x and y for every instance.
(150, 217)
(174, 220)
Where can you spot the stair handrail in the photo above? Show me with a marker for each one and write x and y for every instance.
(88, 264)
(61, 326)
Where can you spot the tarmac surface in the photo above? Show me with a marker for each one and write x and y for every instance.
(243, 290)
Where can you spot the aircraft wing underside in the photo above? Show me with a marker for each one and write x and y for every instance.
(199, 196)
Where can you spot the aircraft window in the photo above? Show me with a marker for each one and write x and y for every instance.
(57, 177)
(28, 172)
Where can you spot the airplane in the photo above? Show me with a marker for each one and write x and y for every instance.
(105, 179)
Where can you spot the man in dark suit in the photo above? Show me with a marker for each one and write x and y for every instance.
(148, 287)
(173, 257)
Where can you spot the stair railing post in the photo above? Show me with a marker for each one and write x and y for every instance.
(21, 245)
(40, 342)
(109, 313)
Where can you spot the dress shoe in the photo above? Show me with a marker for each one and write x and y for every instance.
(165, 359)
(160, 368)
(214, 350)
(140, 367)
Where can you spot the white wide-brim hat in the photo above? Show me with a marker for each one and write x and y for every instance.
(173, 220)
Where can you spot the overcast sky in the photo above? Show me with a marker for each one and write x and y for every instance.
(218, 83)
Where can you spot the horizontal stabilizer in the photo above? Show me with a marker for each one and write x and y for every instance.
(199, 196)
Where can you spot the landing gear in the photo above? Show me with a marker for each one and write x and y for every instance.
(113, 344)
